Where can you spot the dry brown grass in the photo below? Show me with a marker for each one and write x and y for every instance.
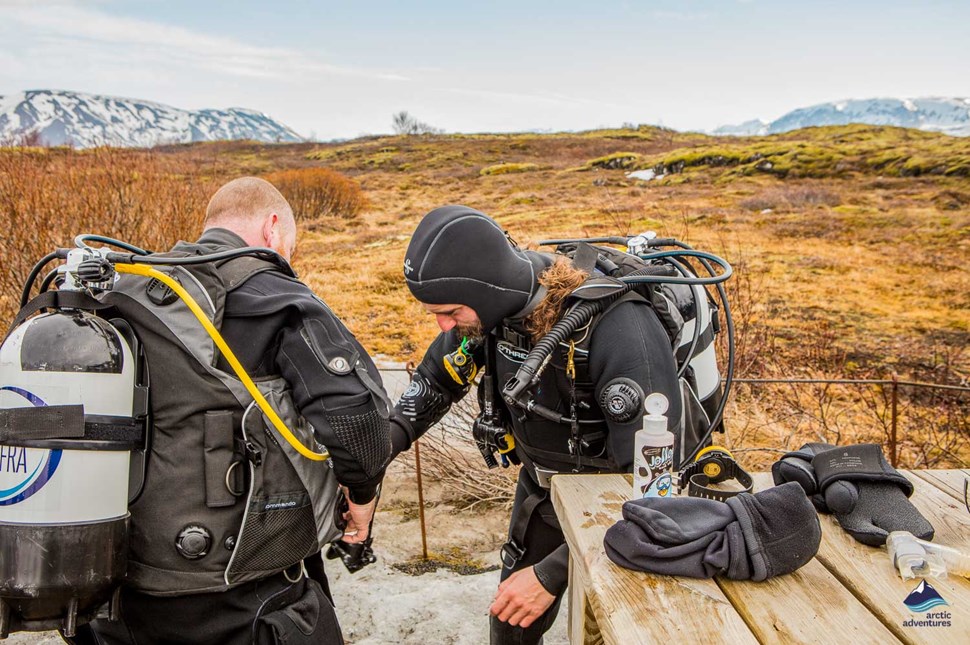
(47, 196)
(849, 275)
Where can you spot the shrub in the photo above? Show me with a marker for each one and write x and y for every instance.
(48, 196)
(317, 193)
(506, 168)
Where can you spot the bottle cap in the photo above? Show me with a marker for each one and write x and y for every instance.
(656, 404)
(655, 422)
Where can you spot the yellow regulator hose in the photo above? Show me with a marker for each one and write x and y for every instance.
(149, 272)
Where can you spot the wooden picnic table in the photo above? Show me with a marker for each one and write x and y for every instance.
(849, 593)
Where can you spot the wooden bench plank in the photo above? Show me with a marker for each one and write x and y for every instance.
(630, 606)
(949, 481)
(803, 607)
(868, 574)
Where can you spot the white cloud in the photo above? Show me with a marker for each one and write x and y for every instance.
(72, 30)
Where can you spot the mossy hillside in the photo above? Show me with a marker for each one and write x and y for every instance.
(826, 152)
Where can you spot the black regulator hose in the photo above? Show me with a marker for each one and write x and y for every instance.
(526, 376)
(32, 276)
(255, 251)
(80, 240)
(139, 255)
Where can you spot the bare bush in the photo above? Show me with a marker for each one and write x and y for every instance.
(48, 196)
(449, 456)
(406, 124)
(319, 193)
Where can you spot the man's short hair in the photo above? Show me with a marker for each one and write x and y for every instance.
(246, 198)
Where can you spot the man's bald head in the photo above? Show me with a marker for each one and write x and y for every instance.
(257, 212)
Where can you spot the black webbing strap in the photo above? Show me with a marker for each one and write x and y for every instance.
(584, 258)
(44, 422)
(513, 550)
(236, 271)
(20, 426)
(592, 462)
(56, 300)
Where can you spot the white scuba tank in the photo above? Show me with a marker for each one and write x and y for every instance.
(63, 496)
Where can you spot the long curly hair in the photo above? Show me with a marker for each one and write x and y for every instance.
(560, 280)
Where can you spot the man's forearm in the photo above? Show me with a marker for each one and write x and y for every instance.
(553, 571)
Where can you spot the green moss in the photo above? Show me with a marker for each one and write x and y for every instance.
(507, 168)
(613, 161)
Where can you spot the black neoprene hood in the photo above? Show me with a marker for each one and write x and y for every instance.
(458, 255)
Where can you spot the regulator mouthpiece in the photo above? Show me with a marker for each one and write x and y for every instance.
(916, 558)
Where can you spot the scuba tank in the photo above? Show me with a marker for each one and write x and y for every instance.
(73, 412)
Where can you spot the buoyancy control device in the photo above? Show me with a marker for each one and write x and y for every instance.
(76, 432)
(660, 271)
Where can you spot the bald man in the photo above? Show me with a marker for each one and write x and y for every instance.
(185, 571)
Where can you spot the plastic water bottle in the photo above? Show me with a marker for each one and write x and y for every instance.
(654, 452)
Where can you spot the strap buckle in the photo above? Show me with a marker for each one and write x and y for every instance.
(511, 553)
(252, 453)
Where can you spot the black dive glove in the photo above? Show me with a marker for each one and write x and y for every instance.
(855, 483)
(421, 406)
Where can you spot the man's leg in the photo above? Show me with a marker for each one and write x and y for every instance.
(237, 616)
(542, 537)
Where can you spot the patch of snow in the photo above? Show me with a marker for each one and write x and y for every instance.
(643, 175)
(379, 604)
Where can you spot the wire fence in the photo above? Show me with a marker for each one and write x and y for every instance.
(894, 384)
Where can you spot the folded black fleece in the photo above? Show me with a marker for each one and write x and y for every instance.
(751, 537)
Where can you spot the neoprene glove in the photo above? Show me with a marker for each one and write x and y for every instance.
(855, 483)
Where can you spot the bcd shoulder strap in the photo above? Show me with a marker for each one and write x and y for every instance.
(237, 271)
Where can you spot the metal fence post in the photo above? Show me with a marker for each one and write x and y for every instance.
(893, 447)
(409, 368)
(417, 468)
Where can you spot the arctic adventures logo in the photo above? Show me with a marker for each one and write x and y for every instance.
(923, 598)
(24, 471)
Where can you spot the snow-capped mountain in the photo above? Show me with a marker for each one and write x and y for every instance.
(948, 115)
(85, 120)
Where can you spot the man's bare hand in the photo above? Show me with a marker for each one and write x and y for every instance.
(521, 599)
(358, 520)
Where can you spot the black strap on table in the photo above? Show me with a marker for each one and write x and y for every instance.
(697, 482)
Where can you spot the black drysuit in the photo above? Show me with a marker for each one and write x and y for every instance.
(628, 341)
(276, 326)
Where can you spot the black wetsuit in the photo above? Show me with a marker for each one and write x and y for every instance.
(277, 326)
(627, 341)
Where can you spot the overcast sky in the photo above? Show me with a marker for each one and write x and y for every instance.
(341, 69)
